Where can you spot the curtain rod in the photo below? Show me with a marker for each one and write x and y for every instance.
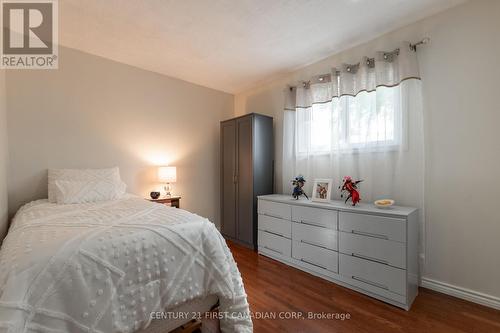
(413, 47)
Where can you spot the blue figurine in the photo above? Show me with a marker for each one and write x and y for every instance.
(298, 184)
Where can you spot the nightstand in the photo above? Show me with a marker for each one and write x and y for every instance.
(173, 201)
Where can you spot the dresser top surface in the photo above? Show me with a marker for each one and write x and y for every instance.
(340, 205)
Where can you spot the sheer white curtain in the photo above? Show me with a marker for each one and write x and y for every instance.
(364, 120)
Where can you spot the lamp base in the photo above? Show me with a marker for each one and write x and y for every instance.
(168, 188)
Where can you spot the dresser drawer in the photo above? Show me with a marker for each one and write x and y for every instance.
(372, 276)
(318, 217)
(316, 256)
(375, 249)
(374, 226)
(274, 209)
(276, 226)
(318, 236)
(274, 244)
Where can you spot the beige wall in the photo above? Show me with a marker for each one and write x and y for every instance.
(460, 82)
(94, 113)
(3, 157)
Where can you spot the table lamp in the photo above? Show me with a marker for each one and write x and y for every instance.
(167, 175)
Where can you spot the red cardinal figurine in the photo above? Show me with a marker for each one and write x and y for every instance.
(352, 188)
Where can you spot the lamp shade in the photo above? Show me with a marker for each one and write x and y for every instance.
(167, 174)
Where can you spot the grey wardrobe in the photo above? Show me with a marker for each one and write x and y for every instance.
(247, 170)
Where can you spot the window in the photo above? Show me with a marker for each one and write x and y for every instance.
(369, 121)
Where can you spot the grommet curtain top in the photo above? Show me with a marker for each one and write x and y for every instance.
(384, 69)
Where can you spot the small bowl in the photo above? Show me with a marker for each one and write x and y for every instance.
(384, 203)
(154, 195)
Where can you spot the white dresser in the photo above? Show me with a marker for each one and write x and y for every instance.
(371, 250)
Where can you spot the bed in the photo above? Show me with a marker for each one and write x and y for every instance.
(108, 266)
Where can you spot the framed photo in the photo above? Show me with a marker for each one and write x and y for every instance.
(322, 190)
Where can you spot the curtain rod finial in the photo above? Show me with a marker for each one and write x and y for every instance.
(424, 41)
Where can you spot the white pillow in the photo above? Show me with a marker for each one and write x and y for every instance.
(111, 176)
(82, 191)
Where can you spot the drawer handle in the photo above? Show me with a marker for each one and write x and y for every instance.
(315, 244)
(375, 284)
(273, 233)
(369, 234)
(311, 263)
(268, 248)
(276, 217)
(385, 262)
(313, 224)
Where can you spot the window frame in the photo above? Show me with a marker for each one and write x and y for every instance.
(400, 141)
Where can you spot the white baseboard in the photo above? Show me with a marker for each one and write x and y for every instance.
(463, 293)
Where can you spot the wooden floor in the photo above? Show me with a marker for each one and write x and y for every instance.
(273, 287)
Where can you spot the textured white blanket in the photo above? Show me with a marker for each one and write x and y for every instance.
(105, 267)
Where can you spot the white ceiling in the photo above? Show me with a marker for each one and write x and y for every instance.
(230, 45)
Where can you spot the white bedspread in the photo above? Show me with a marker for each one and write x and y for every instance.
(105, 267)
